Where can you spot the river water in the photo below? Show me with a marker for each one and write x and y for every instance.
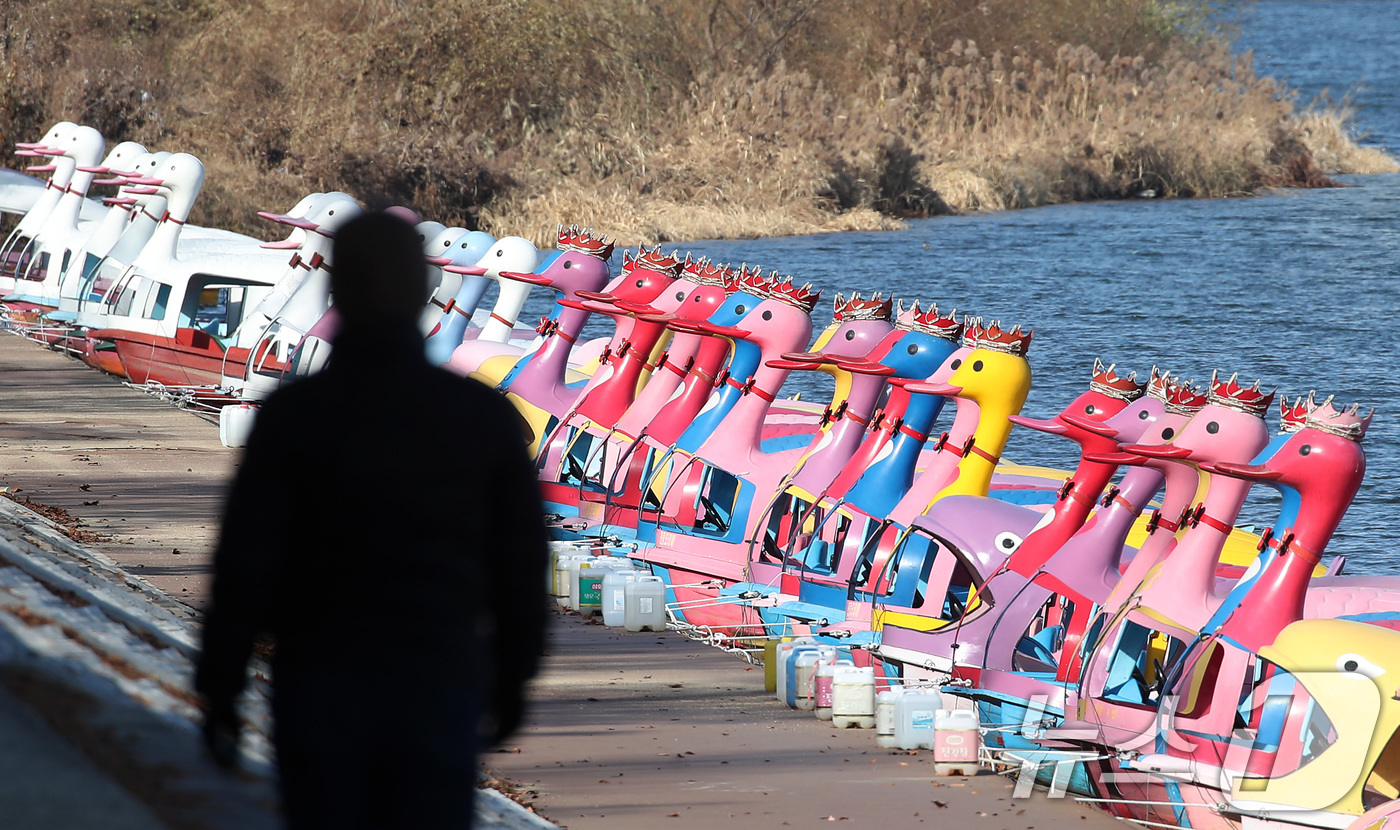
(1296, 288)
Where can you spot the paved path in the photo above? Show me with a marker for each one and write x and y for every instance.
(147, 476)
(653, 730)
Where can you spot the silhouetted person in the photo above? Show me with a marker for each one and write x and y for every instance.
(385, 529)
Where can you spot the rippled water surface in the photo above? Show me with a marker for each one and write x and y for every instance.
(1297, 288)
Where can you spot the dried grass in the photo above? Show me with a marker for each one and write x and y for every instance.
(666, 119)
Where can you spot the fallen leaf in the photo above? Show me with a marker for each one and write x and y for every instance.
(673, 815)
(940, 804)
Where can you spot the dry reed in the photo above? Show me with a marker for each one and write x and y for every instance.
(669, 119)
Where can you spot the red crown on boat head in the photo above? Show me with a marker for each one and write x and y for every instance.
(931, 322)
(654, 260)
(1347, 423)
(858, 309)
(1247, 399)
(1294, 416)
(1157, 384)
(802, 297)
(1179, 397)
(994, 338)
(972, 329)
(1106, 382)
(702, 272)
(582, 241)
(750, 280)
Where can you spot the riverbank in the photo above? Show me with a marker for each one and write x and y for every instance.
(665, 120)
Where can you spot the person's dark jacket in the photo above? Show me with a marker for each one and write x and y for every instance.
(385, 515)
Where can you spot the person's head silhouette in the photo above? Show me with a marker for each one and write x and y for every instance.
(378, 274)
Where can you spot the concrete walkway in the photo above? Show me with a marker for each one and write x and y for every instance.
(147, 477)
(654, 730)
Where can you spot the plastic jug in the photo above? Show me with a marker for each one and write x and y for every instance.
(236, 424)
(853, 697)
(645, 604)
(590, 587)
(563, 573)
(770, 662)
(915, 715)
(614, 595)
(575, 565)
(804, 676)
(784, 652)
(884, 716)
(787, 693)
(957, 742)
(824, 689)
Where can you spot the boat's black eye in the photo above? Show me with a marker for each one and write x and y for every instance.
(1168, 433)
(913, 348)
(768, 315)
(1351, 665)
(1212, 427)
(641, 283)
(1304, 450)
(568, 263)
(956, 363)
(977, 366)
(850, 334)
(500, 253)
(739, 309)
(1142, 416)
(1090, 410)
(680, 296)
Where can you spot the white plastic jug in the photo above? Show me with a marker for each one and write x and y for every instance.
(956, 746)
(614, 596)
(645, 604)
(884, 716)
(826, 673)
(915, 715)
(236, 424)
(784, 655)
(804, 676)
(563, 572)
(853, 697)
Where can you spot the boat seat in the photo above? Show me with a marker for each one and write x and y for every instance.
(810, 612)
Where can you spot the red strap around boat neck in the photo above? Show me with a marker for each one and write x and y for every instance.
(1081, 497)
(976, 450)
(445, 308)
(462, 311)
(510, 324)
(916, 435)
(1290, 545)
(1124, 503)
(317, 261)
(747, 386)
(154, 218)
(1198, 516)
(1157, 521)
(166, 217)
(667, 364)
(651, 367)
(703, 375)
(564, 334)
(854, 417)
